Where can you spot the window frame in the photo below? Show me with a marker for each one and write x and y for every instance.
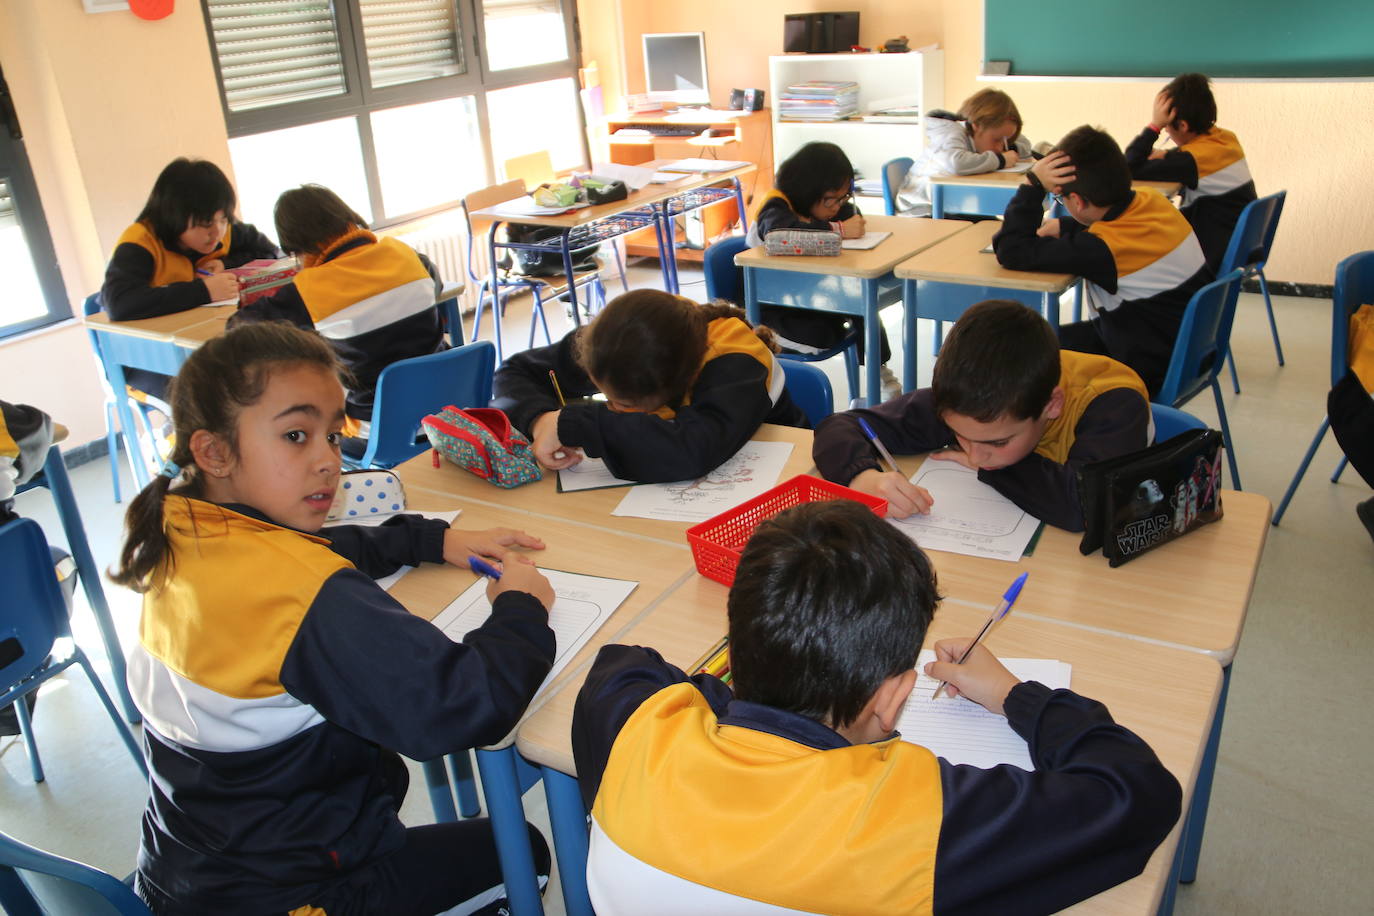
(360, 100)
(33, 223)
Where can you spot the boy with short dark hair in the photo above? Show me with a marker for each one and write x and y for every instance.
(1140, 257)
(795, 794)
(1208, 161)
(1005, 401)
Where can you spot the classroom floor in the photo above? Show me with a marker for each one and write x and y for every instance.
(1290, 821)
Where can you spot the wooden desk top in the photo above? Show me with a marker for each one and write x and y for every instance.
(961, 259)
(1163, 694)
(197, 334)
(1011, 179)
(163, 327)
(650, 194)
(908, 237)
(429, 589)
(541, 500)
(1193, 592)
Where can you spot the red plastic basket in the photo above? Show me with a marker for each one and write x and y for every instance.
(718, 542)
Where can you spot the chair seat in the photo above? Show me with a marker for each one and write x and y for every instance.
(558, 285)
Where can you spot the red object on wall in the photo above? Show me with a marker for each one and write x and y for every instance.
(151, 9)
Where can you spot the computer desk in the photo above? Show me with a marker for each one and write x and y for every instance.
(855, 282)
(1165, 694)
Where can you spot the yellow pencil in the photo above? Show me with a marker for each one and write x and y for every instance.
(556, 390)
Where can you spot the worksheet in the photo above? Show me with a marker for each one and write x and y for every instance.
(753, 469)
(581, 605)
(960, 730)
(864, 242)
(968, 516)
(589, 474)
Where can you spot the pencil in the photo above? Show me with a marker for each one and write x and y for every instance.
(556, 390)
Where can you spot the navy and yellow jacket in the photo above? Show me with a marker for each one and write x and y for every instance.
(25, 435)
(276, 682)
(1106, 413)
(776, 212)
(145, 279)
(1215, 177)
(373, 299)
(739, 387)
(703, 803)
(1141, 260)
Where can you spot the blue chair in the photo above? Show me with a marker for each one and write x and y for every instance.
(1249, 252)
(452, 320)
(33, 618)
(894, 176)
(1170, 421)
(34, 882)
(506, 283)
(1199, 351)
(810, 389)
(725, 281)
(411, 389)
(1354, 287)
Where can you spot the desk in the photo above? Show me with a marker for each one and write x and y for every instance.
(988, 193)
(945, 279)
(855, 283)
(652, 206)
(1122, 673)
(591, 508)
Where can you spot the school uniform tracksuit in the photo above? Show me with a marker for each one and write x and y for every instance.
(702, 803)
(1142, 263)
(1106, 414)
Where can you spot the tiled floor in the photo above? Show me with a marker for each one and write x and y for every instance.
(1292, 823)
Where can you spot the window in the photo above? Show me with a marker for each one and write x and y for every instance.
(34, 294)
(391, 103)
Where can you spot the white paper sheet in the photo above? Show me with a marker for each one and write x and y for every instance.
(588, 474)
(635, 177)
(864, 242)
(525, 206)
(960, 730)
(702, 165)
(372, 521)
(582, 604)
(752, 470)
(968, 516)
(1022, 165)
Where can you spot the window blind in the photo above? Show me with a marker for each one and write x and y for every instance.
(410, 40)
(276, 51)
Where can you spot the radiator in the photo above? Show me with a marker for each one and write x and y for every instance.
(442, 241)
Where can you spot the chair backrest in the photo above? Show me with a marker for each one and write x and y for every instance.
(411, 389)
(1254, 235)
(477, 227)
(1354, 288)
(53, 884)
(532, 168)
(33, 615)
(1170, 421)
(1202, 340)
(810, 389)
(894, 176)
(723, 279)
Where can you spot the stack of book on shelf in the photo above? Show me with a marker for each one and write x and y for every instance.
(819, 100)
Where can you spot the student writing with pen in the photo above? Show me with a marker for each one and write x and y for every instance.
(1005, 401)
(791, 791)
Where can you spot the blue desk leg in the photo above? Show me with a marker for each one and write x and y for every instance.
(460, 768)
(61, 486)
(751, 297)
(566, 245)
(873, 342)
(739, 202)
(568, 818)
(909, 335)
(440, 795)
(669, 262)
(126, 423)
(1166, 902)
(501, 785)
(1049, 307)
(1191, 845)
(937, 201)
(495, 289)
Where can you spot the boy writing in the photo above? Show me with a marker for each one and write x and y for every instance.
(1005, 401)
(795, 794)
(1208, 162)
(1138, 254)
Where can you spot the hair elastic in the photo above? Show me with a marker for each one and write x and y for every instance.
(170, 470)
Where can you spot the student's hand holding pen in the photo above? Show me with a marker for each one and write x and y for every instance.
(981, 678)
(522, 577)
(222, 285)
(853, 227)
(548, 450)
(903, 497)
(1054, 171)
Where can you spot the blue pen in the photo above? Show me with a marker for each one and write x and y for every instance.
(1002, 609)
(203, 272)
(484, 568)
(878, 444)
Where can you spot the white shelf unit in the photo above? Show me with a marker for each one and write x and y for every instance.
(885, 81)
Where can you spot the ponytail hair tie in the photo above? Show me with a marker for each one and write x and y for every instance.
(170, 470)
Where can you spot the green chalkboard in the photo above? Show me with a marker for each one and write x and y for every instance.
(1160, 38)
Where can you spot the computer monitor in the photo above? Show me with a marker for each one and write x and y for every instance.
(675, 68)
